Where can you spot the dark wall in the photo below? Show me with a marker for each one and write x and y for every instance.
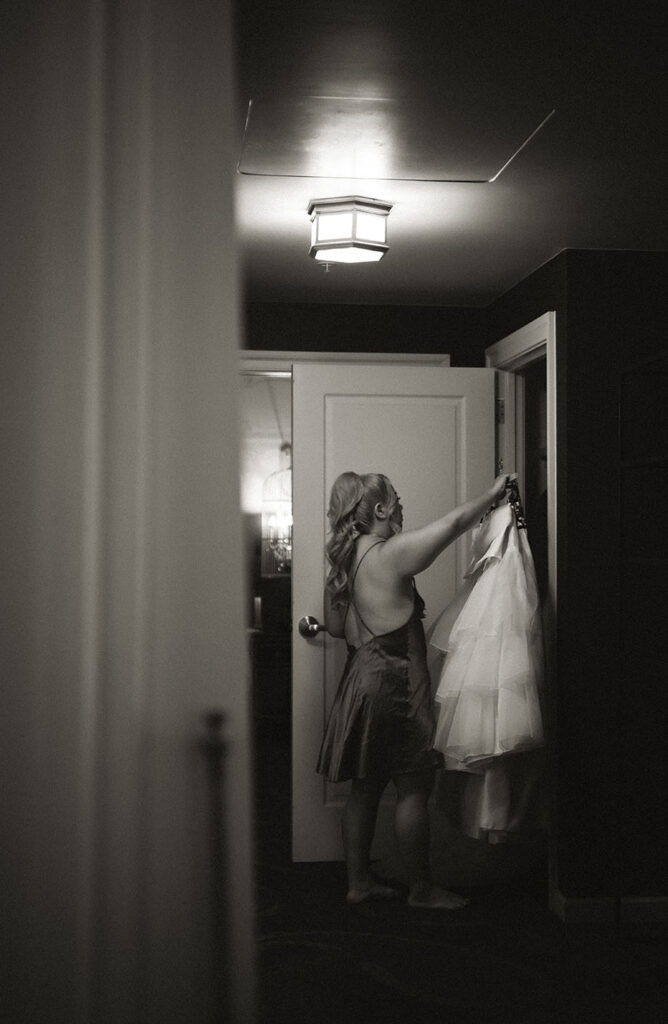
(617, 468)
(338, 328)
(611, 708)
(543, 290)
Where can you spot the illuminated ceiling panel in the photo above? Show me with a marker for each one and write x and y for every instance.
(383, 139)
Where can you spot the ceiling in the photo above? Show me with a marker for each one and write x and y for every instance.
(447, 89)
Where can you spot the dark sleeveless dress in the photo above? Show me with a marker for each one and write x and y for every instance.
(382, 720)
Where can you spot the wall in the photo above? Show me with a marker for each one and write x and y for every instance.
(611, 712)
(45, 359)
(617, 626)
(331, 328)
(122, 622)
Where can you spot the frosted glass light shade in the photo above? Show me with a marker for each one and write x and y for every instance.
(349, 229)
(330, 226)
(353, 254)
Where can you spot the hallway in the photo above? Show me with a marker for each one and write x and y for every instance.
(503, 958)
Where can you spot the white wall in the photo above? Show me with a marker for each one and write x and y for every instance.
(123, 588)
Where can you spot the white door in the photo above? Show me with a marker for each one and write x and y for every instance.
(431, 431)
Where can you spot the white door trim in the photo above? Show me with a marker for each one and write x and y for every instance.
(512, 353)
(264, 361)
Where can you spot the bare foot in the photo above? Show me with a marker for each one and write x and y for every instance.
(434, 898)
(375, 891)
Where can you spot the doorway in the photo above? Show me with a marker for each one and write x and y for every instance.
(266, 437)
(529, 356)
(265, 462)
(534, 386)
(268, 612)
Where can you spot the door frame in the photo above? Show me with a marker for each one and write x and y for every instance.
(514, 352)
(537, 340)
(279, 364)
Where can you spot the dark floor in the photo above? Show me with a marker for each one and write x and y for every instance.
(502, 958)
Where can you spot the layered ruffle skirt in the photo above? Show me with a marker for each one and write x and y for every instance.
(489, 694)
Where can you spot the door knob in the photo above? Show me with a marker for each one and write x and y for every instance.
(308, 626)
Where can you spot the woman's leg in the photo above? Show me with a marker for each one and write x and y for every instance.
(359, 823)
(412, 831)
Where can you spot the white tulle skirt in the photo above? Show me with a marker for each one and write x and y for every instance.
(489, 692)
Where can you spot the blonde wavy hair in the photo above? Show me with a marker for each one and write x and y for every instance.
(350, 514)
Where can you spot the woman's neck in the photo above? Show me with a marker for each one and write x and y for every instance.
(380, 531)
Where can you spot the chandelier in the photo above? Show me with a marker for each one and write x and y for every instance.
(276, 557)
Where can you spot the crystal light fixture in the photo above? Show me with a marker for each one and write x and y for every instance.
(350, 229)
(276, 558)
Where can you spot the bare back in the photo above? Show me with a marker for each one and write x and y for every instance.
(382, 599)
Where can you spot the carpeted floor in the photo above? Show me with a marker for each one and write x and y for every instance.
(502, 958)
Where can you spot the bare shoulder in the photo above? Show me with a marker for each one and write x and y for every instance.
(364, 547)
(385, 562)
(394, 548)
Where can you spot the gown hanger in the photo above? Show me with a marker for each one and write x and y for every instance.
(515, 503)
(512, 495)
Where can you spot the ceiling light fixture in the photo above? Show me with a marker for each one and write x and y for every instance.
(350, 229)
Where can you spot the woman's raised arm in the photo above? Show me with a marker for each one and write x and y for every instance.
(413, 551)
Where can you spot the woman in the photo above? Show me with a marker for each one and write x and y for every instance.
(382, 723)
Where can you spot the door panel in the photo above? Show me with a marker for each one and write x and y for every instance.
(431, 431)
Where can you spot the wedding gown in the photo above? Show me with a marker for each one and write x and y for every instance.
(489, 690)
(489, 695)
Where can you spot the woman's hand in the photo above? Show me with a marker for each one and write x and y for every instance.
(500, 486)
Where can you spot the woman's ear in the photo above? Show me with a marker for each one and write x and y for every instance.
(379, 511)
